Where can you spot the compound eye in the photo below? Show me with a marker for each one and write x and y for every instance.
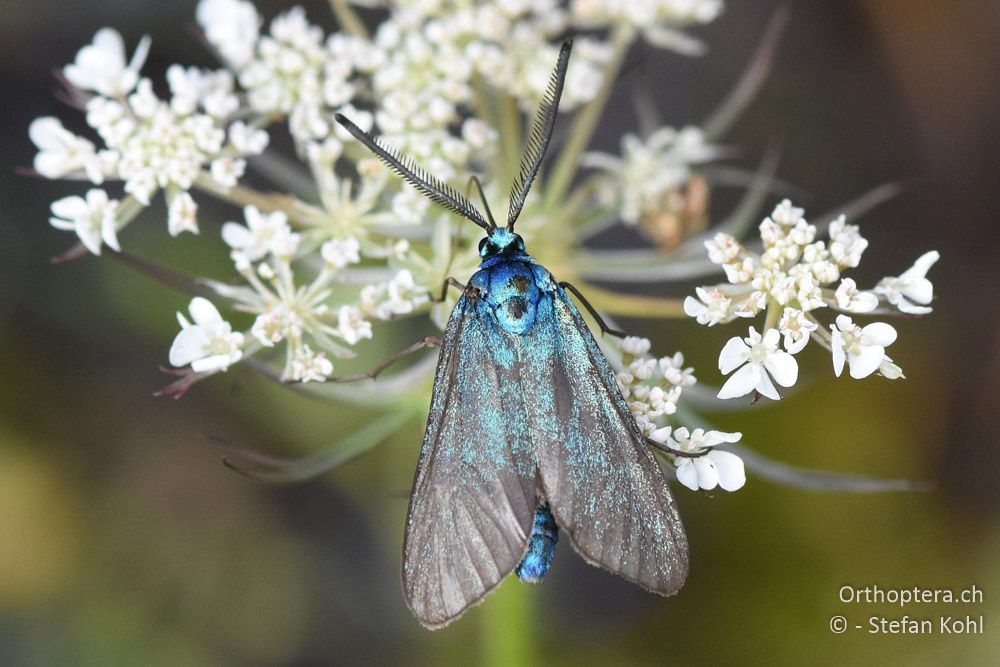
(482, 244)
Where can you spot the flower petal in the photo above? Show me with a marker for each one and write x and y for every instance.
(766, 387)
(203, 312)
(866, 362)
(687, 475)
(839, 356)
(734, 354)
(879, 333)
(732, 474)
(742, 382)
(708, 474)
(188, 346)
(782, 367)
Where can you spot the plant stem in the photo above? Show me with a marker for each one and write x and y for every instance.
(632, 305)
(510, 133)
(508, 626)
(267, 202)
(586, 121)
(348, 19)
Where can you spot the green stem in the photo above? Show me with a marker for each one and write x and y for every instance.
(633, 305)
(771, 317)
(586, 121)
(508, 626)
(295, 209)
(348, 19)
(510, 135)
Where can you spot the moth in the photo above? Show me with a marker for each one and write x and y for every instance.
(528, 434)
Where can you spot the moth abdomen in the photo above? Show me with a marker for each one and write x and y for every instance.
(541, 547)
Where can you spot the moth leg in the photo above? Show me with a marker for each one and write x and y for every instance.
(424, 343)
(593, 312)
(449, 282)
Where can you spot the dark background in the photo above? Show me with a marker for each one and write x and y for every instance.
(124, 541)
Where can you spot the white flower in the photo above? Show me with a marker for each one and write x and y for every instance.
(787, 215)
(795, 327)
(352, 326)
(403, 295)
(232, 27)
(246, 139)
(657, 20)
(912, 291)
(862, 348)
(338, 253)
(61, 152)
(850, 298)
(158, 147)
(761, 360)
(260, 236)
(100, 66)
(226, 171)
(209, 344)
(277, 324)
(288, 74)
(715, 468)
(673, 371)
(642, 369)
(93, 219)
(724, 249)
(635, 346)
(711, 307)
(309, 366)
(182, 214)
(650, 168)
(846, 243)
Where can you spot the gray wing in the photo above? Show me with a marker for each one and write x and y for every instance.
(604, 486)
(474, 493)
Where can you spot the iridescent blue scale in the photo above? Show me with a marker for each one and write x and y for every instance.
(541, 547)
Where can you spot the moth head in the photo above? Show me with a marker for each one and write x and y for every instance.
(501, 242)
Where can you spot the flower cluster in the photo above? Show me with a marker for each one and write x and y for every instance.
(149, 144)
(451, 85)
(790, 279)
(652, 386)
(650, 173)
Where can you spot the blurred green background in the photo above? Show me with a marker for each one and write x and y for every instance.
(124, 541)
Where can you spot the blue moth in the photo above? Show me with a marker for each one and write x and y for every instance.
(528, 434)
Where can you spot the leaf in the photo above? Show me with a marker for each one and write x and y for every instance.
(275, 470)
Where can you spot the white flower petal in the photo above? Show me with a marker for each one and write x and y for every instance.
(236, 235)
(687, 475)
(782, 367)
(734, 354)
(742, 382)
(217, 362)
(204, 312)
(879, 333)
(188, 346)
(911, 309)
(708, 474)
(866, 361)
(839, 356)
(732, 473)
(766, 387)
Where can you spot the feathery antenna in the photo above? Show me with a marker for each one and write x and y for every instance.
(431, 187)
(541, 133)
